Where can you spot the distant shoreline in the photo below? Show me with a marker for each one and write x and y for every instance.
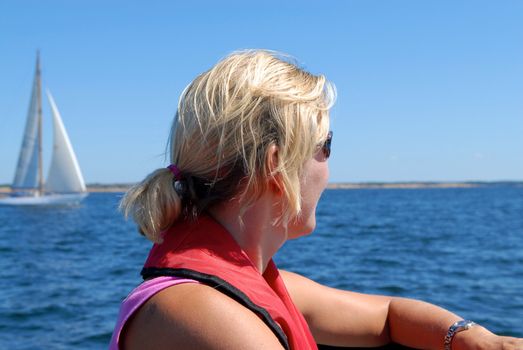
(117, 188)
(422, 185)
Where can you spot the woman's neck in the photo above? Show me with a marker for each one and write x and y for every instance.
(257, 231)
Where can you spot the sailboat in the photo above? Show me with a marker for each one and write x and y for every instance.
(64, 184)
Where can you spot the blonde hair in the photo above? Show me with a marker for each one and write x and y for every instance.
(227, 119)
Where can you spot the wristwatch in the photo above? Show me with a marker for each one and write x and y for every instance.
(457, 327)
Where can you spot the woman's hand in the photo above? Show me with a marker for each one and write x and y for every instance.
(480, 338)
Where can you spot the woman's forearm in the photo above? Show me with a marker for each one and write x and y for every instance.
(419, 324)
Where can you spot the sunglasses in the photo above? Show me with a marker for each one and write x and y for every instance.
(326, 148)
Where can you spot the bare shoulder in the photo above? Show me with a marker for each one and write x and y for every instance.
(312, 297)
(196, 316)
(307, 293)
(303, 290)
(339, 317)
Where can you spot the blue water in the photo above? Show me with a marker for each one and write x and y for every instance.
(63, 271)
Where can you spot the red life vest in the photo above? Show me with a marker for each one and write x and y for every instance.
(203, 250)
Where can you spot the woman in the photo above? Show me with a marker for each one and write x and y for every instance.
(249, 149)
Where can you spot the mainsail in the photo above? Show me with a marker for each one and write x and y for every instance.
(64, 172)
(27, 174)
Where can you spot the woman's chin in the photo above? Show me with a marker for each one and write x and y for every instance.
(302, 230)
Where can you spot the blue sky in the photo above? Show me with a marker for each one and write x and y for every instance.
(427, 90)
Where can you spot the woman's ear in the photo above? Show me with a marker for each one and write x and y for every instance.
(274, 179)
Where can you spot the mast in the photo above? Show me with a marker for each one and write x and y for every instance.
(39, 118)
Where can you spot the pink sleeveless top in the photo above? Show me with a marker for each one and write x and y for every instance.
(137, 298)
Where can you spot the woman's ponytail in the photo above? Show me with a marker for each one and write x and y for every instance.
(153, 204)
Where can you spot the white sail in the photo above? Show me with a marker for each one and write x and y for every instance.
(65, 184)
(64, 173)
(26, 176)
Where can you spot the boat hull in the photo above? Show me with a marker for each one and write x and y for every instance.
(47, 199)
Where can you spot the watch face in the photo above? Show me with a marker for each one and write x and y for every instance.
(455, 328)
(462, 325)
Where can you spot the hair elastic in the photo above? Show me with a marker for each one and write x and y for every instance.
(176, 172)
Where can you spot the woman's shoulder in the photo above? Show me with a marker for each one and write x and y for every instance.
(138, 297)
(196, 316)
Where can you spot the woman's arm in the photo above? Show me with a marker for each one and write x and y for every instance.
(343, 318)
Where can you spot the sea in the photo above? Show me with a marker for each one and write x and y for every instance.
(65, 270)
